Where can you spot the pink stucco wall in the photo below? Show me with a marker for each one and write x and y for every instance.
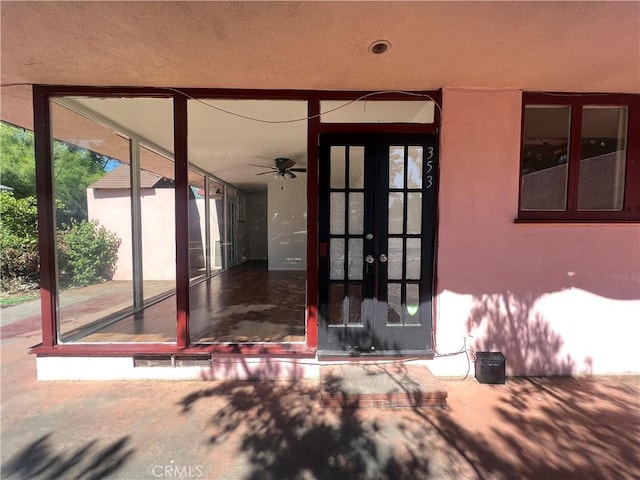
(554, 298)
(112, 208)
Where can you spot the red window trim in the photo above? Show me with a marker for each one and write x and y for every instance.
(631, 207)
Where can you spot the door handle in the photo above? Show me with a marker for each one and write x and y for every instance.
(383, 258)
(369, 259)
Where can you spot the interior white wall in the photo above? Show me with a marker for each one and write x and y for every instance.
(287, 225)
(257, 226)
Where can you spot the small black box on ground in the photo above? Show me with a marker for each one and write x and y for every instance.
(490, 367)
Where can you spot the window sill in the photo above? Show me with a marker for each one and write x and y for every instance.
(577, 220)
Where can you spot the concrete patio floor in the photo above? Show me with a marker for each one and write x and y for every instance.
(534, 428)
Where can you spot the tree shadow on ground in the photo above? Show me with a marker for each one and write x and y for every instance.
(553, 428)
(88, 462)
(284, 433)
(533, 428)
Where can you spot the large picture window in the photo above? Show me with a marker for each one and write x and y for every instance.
(580, 156)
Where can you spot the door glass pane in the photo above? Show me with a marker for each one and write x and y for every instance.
(414, 166)
(355, 303)
(394, 301)
(395, 259)
(602, 158)
(396, 212)
(356, 167)
(355, 258)
(336, 259)
(413, 303)
(414, 212)
(545, 154)
(337, 156)
(336, 220)
(356, 213)
(413, 258)
(337, 303)
(396, 167)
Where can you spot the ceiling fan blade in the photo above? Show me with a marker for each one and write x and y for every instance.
(271, 172)
(292, 175)
(262, 166)
(297, 169)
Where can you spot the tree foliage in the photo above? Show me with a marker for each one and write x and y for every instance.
(75, 169)
(87, 252)
(18, 241)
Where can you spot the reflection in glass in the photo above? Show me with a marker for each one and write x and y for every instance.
(394, 301)
(94, 199)
(396, 167)
(603, 155)
(336, 219)
(356, 213)
(414, 259)
(355, 258)
(356, 167)
(545, 156)
(414, 213)
(197, 225)
(414, 173)
(355, 303)
(413, 303)
(395, 259)
(216, 224)
(337, 303)
(338, 162)
(336, 259)
(396, 212)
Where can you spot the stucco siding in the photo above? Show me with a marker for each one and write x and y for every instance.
(554, 298)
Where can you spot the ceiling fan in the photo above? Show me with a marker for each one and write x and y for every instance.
(282, 167)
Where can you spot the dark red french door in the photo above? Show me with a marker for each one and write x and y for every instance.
(377, 223)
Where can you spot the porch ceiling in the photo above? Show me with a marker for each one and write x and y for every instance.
(551, 46)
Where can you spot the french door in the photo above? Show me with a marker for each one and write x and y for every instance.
(377, 224)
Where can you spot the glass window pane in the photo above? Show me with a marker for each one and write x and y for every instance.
(414, 179)
(356, 167)
(338, 163)
(216, 224)
(545, 156)
(395, 259)
(413, 303)
(603, 157)
(355, 258)
(113, 291)
(197, 226)
(396, 167)
(414, 261)
(336, 259)
(337, 303)
(336, 220)
(356, 213)
(355, 303)
(394, 303)
(414, 213)
(396, 212)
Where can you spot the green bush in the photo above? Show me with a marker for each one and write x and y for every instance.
(19, 261)
(87, 254)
